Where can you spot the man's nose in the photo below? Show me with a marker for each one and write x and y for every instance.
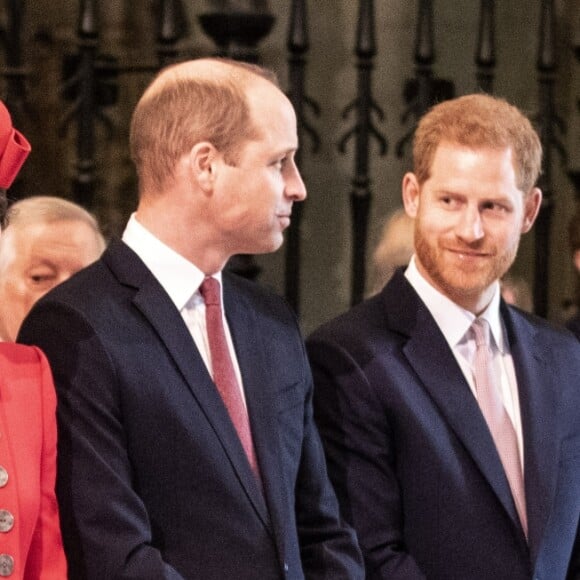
(295, 188)
(470, 225)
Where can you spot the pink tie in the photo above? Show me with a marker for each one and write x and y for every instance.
(224, 375)
(498, 420)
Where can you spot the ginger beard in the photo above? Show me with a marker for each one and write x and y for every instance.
(456, 275)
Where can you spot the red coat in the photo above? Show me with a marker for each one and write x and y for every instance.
(30, 540)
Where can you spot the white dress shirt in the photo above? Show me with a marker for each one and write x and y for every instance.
(181, 280)
(455, 322)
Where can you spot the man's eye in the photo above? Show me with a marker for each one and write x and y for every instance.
(449, 201)
(41, 278)
(280, 163)
(495, 207)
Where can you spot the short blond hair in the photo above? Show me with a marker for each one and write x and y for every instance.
(180, 109)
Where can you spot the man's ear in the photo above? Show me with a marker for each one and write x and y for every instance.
(202, 165)
(411, 190)
(532, 204)
(577, 260)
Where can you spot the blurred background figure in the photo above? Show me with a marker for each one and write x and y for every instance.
(394, 249)
(516, 291)
(573, 322)
(45, 241)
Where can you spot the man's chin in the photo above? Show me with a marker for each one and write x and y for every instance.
(465, 286)
(267, 247)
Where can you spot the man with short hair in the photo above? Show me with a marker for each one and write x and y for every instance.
(449, 418)
(45, 241)
(187, 441)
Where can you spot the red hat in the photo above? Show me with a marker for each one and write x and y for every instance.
(14, 149)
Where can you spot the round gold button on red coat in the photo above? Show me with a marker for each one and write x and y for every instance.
(3, 476)
(6, 565)
(6, 521)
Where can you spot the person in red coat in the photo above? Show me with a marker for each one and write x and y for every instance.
(30, 540)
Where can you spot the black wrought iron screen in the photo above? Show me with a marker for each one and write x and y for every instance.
(93, 77)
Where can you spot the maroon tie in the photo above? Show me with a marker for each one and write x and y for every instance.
(224, 375)
(498, 420)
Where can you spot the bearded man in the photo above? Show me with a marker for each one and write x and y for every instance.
(449, 418)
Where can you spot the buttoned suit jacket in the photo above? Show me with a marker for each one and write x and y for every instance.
(31, 540)
(153, 481)
(411, 457)
(573, 325)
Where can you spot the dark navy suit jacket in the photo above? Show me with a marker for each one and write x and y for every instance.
(574, 325)
(153, 481)
(411, 457)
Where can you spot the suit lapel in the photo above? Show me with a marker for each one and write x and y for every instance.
(156, 306)
(430, 356)
(538, 404)
(260, 397)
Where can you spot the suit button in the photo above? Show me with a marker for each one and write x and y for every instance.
(3, 476)
(6, 521)
(6, 565)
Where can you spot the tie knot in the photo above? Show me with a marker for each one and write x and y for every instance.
(210, 291)
(480, 329)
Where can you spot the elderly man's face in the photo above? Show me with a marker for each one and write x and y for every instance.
(34, 259)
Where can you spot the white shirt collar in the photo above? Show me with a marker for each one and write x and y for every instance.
(178, 276)
(453, 320)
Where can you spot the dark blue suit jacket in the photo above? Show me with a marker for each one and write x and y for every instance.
(574, 325)
(153, 481)
(411, 457)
